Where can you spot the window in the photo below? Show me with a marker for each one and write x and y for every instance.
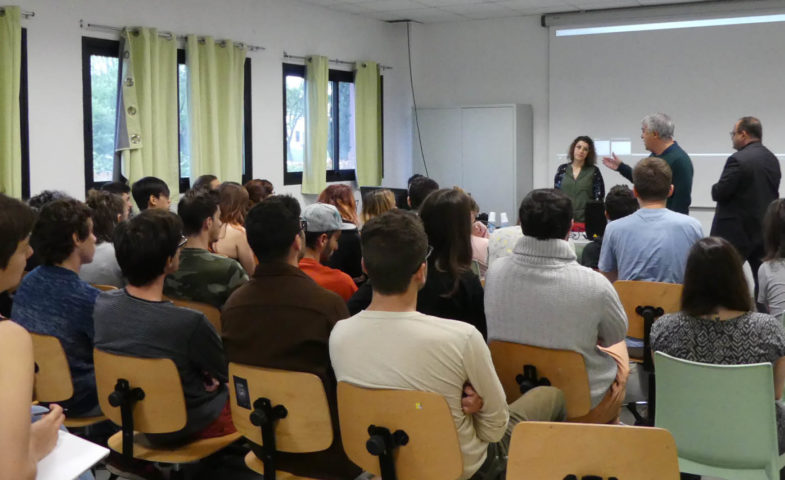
(100, 82)
(341, 159)
(23, 119)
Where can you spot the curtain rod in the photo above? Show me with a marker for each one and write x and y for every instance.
(109, 28)
(24, 13)
(332, 60)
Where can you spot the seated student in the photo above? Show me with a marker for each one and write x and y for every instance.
(136, 321)
(233, 242)
(151, 192)
(390, 345)
(203, 276)
(22, 444)
(108, 211)
(258, 190)
(619, 202)
(210, 182)
(53, 300)
(771, 273)
(541, 296)
(122, 189)
(652, 243)
(419, 188)
(348, 257)
(282, 319)
(323, 227)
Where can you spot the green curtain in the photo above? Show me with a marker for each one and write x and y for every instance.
(10, 129)
(316, 125)
(368, 123)
(215, 102)
(147, 128)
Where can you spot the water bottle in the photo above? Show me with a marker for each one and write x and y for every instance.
(491, 222)
(504, 221)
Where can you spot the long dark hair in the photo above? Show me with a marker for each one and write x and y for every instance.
(774, 230)
(591, 157)
(713, 278)
(446, 215)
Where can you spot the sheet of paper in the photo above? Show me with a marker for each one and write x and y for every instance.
(70, 458)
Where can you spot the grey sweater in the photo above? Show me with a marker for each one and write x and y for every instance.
(541, 296)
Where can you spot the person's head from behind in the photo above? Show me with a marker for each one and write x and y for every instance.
(273, 228)
(64, 231)
(36, 202)
(108, 210)
(395, 247)
(123, 190)
(413, 178)
(148, 246)
(620, 202)
(209, 182)
(323, 226)
(419, 189)
(582, 149)
(342, 197)
(258, 190)
(745, 131)
(652, 179)
(546, 214)
(446, 216)
(151, 192)
(16, 223)
(200, 213)
(714, 278)
(774, 230)
(376, 202)
(234, 203)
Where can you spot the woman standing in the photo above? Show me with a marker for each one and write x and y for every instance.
(580, 179)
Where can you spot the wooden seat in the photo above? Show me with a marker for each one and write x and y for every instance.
(53, 381)
(104, 288)
(213, 314)
(305, 428)
(565, 370)
(432, 451)
(545, 450)
(162, 410)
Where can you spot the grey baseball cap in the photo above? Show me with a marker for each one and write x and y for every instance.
(323, 217)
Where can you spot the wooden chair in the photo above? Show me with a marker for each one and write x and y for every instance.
(213, 314)
(565, 370)
(643, 303)
(53, 381)
(144, 395)
(281, 410)
(545, 451)
(104, 288)
(401, 434)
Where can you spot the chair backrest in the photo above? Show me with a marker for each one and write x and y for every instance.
(633, 293)
(565, 369)
(213, 314)
(163, 408)
(720, 415)
(433, 451)
(306, 427)
(104, 288)
(545, 450)
(52, 377)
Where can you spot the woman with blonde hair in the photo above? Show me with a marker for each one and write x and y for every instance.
(234, 244)
(376, 203)
(348, 257)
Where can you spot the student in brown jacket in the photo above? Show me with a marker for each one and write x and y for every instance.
(282, 319)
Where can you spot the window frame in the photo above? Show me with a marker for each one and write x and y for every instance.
(24, 119)
(111, 48)
(335, 174)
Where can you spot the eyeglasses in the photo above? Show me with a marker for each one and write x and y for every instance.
(183, 241)
(428, 253)
(303, 225)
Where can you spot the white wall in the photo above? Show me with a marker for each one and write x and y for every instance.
(498, 61)
(55, 72)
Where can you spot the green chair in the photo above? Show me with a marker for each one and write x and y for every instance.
(722, 417)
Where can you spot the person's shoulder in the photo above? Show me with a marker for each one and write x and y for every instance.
(562, 168)
(11, 332)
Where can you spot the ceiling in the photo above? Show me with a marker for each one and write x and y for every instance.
(433, 11)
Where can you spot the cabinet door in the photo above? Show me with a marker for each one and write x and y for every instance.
(488, 144)
(441, 142)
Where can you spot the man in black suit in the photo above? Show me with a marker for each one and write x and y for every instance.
(749, 182)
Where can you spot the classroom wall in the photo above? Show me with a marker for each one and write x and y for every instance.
(55, 72)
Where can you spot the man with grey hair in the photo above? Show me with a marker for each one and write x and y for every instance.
(657, 135)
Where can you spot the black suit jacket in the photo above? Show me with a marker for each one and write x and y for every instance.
(749, 182)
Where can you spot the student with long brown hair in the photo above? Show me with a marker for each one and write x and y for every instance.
(234, 244)
(348, 257)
